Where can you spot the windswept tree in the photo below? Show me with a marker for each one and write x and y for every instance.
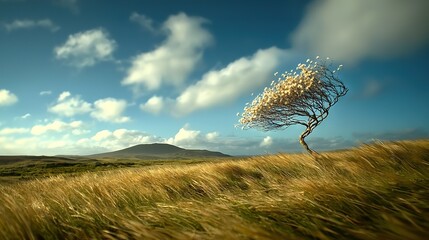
(302, 97)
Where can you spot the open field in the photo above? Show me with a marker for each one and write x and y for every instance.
(24, 168)
(377, 191)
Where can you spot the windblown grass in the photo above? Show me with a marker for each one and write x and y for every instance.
(378, 191)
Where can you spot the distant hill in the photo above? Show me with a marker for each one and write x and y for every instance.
(158, 150)
(10, 159)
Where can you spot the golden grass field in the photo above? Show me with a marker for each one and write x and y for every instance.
(377, 191)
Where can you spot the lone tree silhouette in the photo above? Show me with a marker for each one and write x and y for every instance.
(302, 97)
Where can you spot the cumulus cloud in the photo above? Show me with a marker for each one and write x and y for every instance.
(63, 96)
(29, 24)
(195, 139)
(55, 126)
(101, 135)
(110, 110)
(185, 137)
(212, 136)
(234, 145)
(142, 20)
(154, 105)
(351, 31)
(85, 49)
(111, 140)
(105, 110)
(223, 86)
(173, 61)
(12, 131)
(7, 98)
(266, 142)
(69, 106)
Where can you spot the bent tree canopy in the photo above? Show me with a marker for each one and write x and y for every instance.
(302, 97)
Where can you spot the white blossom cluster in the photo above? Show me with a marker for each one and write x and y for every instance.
(309, 86)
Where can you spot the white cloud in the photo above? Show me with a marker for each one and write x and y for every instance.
(154, 105)
(143, 21)
(80, 131)
(105, 110)
(195, 139)
(110, 110)
(212, 136)
(226, 85)
(7, 98)
(63, 96)
(185, 137)
(219, 87)
(44, 93)
(101, 135)
(25, 116)
(70, 106)
(172, 61)
(11, 131)
(118, 139)
(85, 49)
(55, 126)
(350, 30)
(266, 142)
(28, 24)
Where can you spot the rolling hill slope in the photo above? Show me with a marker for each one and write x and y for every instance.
(158, 150)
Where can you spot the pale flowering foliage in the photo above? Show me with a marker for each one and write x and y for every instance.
(300, 97)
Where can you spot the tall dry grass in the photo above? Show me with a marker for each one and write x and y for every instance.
(378, 191)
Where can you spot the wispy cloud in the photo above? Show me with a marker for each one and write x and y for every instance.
(144, 21)
(44, 93)
(7, 98)
(173, 61)
(30, 24)
(25, 116)
(85, 49)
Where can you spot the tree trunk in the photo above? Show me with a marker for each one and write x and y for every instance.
(303, 143)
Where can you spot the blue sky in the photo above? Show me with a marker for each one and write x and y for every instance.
(82, 77)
